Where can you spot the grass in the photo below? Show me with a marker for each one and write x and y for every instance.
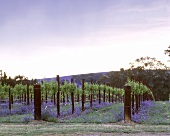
(43, 128)
(109, 114)
(154, 113)
(153, 117)
(160, 114)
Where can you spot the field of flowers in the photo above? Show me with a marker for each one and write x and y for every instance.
(150, 112)
(152, 119)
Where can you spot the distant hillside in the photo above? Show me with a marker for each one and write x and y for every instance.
(68, 78)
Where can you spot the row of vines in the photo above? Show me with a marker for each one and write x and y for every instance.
(70, 93)
(65, 93)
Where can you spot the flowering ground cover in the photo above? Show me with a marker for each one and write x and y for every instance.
(150, 112)
(24, 113)
(153, 118)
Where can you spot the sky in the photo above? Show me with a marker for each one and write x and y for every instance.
(45, 38)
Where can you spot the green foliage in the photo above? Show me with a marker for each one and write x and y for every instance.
(31, 89)
(18, 89)
(139, 88)
(118, 91)
(4, 89)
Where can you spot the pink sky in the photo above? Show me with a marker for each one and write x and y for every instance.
(44, 38)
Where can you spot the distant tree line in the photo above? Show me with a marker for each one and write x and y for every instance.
(147, 70)
(19, 79)
(168, 51)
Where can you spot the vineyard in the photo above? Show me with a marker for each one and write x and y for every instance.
(71, 108)
(65, 100)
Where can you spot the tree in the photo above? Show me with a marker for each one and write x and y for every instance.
(115, 78)
(88, 77)
(4, 79)
(155, 74)
(19, 78)
(147, 63)
(168, 51)
(150, 71)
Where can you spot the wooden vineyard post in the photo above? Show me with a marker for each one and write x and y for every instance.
(139, 96)
(144, 97)
(12, 99)
(63, 94)
(83, 95)
(25, 97)
(46, 95)
(37, 102)
(127, 104)
(91, 95)
(28, 101)
(58, 96)
(104, 93)
(78, 96)
(109, 93)
(112, 97)
(9, 93)
(72, 96)
(9, 99)
(24, 83)
(99, 93)
(31, 93)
